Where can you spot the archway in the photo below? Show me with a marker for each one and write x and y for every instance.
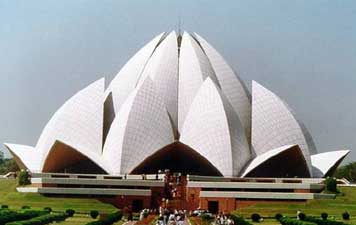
(63, 158)
(177, 157)
(289, 163)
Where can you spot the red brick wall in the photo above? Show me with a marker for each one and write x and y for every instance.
(225, 204)
(301, 190)
(192, 198)
(121, 201)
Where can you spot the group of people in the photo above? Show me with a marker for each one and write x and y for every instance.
(168, 217)
(222, 219)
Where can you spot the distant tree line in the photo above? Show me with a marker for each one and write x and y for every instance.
(7, 165)
(347, 171)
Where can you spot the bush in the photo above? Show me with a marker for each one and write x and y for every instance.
(345, 215)
(255, 217)
(239, 220)
(94, 214)
(207, 217)
(42, 220)
(289, 221)
(278, 216)
(110, 219)
(25, 207)
(322, 221)
(331, 184)
(48, 209)
(301, 216)
(10, 216)
(70, 212)
(24, 178)
(324, 216)
(4, 206)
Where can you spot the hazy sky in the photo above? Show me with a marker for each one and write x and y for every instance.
(304, 51)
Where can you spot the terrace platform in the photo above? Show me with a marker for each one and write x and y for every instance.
(176, 191)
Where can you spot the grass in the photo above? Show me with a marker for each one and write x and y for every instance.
(272, 221)
(15, 200)
(77, 219)
(345, 201)
(120, 222)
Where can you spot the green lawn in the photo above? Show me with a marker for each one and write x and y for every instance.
(334, 207)
(15, 200)
(270, 221)
(77, 219)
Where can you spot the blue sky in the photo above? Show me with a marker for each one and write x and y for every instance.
(305, 51)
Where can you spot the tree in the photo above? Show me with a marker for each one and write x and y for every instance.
(331, 184)
(348, 171)
(8, 165)
(24, 178)
(1, 157)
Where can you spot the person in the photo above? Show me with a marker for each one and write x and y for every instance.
(130, 217)
(142, 215)
(229, 221)
(217, 220)
(222, 219)
(298, 213)
(160, 220)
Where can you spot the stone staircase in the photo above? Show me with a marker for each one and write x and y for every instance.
(178, 193)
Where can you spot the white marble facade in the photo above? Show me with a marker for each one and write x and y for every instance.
(177, 88)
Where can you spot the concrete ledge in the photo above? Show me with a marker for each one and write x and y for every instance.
(263, 195)
(27, 189)
(95, 191)
(111, 182)
(255, 185)
(97, 176)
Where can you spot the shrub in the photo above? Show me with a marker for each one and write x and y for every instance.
(331, 184)
(324, 216)
(239, 220)
(322, 221)
(290, 221)
(301, 216)
(26, 207)
(278, 216)
(42, 220)
(206, 217)
(24, 178)
(255, 217)
(4, 206)
(110, 219)
(70, 212)
(94, 214)
(10, 216)
(48, 209)
(345, 215)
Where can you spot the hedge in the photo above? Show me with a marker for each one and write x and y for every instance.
(7, 216)
(345, 215)
(239, 220)
(110, 219)
(323, 222)
(42, 220)
(70, 212)
(290, 221)
(256, 217)
(94, 214)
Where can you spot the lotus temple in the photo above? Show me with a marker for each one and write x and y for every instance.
(177, 126)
